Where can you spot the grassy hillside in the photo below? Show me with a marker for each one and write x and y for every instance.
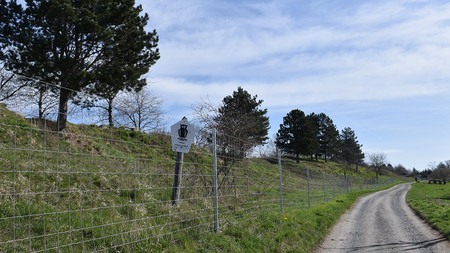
(95, 188)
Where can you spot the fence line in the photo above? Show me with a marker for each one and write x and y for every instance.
(96, 188)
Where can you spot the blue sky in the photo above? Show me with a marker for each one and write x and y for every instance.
(379, 67)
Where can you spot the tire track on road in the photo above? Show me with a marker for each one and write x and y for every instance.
(383, 222)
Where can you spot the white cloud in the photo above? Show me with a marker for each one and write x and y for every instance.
(253, 48)
(300, 54)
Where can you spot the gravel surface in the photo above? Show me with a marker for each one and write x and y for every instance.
(383, 222)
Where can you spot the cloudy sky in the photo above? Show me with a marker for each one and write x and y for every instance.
(381, 67)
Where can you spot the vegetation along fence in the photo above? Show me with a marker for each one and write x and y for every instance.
(100, 188)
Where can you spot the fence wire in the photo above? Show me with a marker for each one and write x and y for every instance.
(97, 188)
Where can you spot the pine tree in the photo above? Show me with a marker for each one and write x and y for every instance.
(327, 135)
(77, 44)
(351, 151)
(241, 119)
(297, 135)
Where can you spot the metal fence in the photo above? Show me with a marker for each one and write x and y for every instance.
(95, 188)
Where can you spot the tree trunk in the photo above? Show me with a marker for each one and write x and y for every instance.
(40, 105)
(64, 95)
(297, 158)
(110, 118)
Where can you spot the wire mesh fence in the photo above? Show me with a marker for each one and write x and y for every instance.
(97, 188)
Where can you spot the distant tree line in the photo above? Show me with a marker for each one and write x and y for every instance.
(439, 171)
(378, 162)
(315, 135)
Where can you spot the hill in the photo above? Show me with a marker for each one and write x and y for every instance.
(95, 188)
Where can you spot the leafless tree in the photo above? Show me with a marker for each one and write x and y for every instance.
(10, 84)
(140, 110)
(46, 101)
(432, 165)
(19, 91)
(442, 173)
(268, 150)
(378, 160)
(204, 112)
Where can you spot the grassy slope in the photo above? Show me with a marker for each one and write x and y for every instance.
(432, 203)
(293, 230)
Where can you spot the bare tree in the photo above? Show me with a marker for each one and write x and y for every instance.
(46, 101)
(432, 165)
(17, 91)
(441, 172)
(378, 160)
(269, 150)
(139, 110)
(204, 112)
(10, 84)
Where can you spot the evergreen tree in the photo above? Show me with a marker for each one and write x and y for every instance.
(327, 135)
(76, 45)
(351, 151)
(311, 138)
(242, 124)
(297, 135)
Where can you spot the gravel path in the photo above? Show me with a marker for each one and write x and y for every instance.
(383, 222)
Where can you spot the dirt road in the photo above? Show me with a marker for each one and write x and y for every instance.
(383, 222)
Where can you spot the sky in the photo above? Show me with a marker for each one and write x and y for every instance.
(380, 67)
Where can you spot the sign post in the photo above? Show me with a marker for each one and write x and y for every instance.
(182, 138)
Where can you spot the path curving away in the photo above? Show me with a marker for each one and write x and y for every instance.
(383, 222)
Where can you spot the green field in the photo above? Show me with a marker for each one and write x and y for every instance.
(432, 203)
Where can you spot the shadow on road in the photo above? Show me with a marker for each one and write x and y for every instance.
(392, 247)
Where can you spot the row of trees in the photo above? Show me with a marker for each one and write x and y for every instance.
(317, 135)
(240, 116)
(439, 171)
(98, 47)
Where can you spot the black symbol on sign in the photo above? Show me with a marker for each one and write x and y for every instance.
(182, 132)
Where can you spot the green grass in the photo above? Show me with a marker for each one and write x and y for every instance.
(294, 230)
(432, 203)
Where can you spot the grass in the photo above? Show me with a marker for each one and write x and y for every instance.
(93, 188)
(294, 230)
(432, 203)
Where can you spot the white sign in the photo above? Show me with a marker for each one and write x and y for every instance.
(182, 136)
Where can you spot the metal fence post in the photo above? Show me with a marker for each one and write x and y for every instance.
(216, 202)
(309, 193)
(324, 188)
(281, 184)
